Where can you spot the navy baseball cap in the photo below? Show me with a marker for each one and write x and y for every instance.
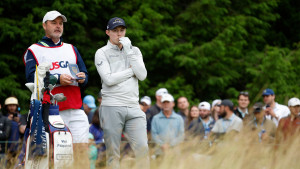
(114, 22)
(268, 92)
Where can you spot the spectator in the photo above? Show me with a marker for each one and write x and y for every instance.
(97, 132)
(92, 152)
(167, 127)
(11, 106)
(89, 107)
(23, 124)
(5, 127)
(229, 121)
(191, 122)
(243, 101)
(274, 111)
(145, 103)
(215, 109)
(206, 121)
(260, 125)
(183, 106)
(155, 109)
(289, 126)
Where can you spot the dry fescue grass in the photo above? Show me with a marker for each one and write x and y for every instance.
(234, 152)
(239, 152)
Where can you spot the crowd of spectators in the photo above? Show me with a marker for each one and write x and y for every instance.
(268, 121)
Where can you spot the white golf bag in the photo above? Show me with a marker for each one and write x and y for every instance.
(48, 141)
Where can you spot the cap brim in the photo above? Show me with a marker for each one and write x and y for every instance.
(54, 17)
(166, 101)
(91, 106)
(117, 26)
(295, 105)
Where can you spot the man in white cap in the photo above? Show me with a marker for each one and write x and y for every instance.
(205, 118)
(51, 49)
(121, 67)
(289, 126)
(167, 127)
(155, 109)
(145, 103)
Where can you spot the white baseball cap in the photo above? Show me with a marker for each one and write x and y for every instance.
(161, 92)
(11, 100)
(167, 97)
(146, 99)
(51, 15)
(294, 102)
(215, 102)
(204, 105)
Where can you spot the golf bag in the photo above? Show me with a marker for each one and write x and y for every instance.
(47, 141)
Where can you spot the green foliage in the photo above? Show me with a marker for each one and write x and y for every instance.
(203, 49)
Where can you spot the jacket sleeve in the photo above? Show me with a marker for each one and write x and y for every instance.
(4, 135)
(137, 64)
(104, 70)
(82, 67)
(30, 63)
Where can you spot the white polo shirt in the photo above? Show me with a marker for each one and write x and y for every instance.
(280, 111)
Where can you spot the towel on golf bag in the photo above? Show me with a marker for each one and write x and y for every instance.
(38, 141)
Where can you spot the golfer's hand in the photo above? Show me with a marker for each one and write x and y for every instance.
(81, 74)
(127, 47)
(65, 79)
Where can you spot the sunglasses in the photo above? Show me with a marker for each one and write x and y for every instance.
(244, 93)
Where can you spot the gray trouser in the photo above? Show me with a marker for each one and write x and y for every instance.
(115, 119)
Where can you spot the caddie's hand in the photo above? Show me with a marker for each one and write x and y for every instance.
(127, 47)
(80, 74)
(65, 79)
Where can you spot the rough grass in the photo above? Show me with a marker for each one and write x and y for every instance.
(233, 152)
(239, 152)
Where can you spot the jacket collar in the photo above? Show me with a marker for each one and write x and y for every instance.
(50, 42)
(112, 46)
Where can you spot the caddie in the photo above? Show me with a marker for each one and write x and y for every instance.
(52, 49)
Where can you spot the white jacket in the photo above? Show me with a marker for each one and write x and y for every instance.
(119, 75)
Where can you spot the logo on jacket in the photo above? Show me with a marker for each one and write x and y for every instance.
(61, 64)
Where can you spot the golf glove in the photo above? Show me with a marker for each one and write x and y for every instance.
(127, 47)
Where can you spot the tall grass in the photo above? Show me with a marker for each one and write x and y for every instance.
(241, 151)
